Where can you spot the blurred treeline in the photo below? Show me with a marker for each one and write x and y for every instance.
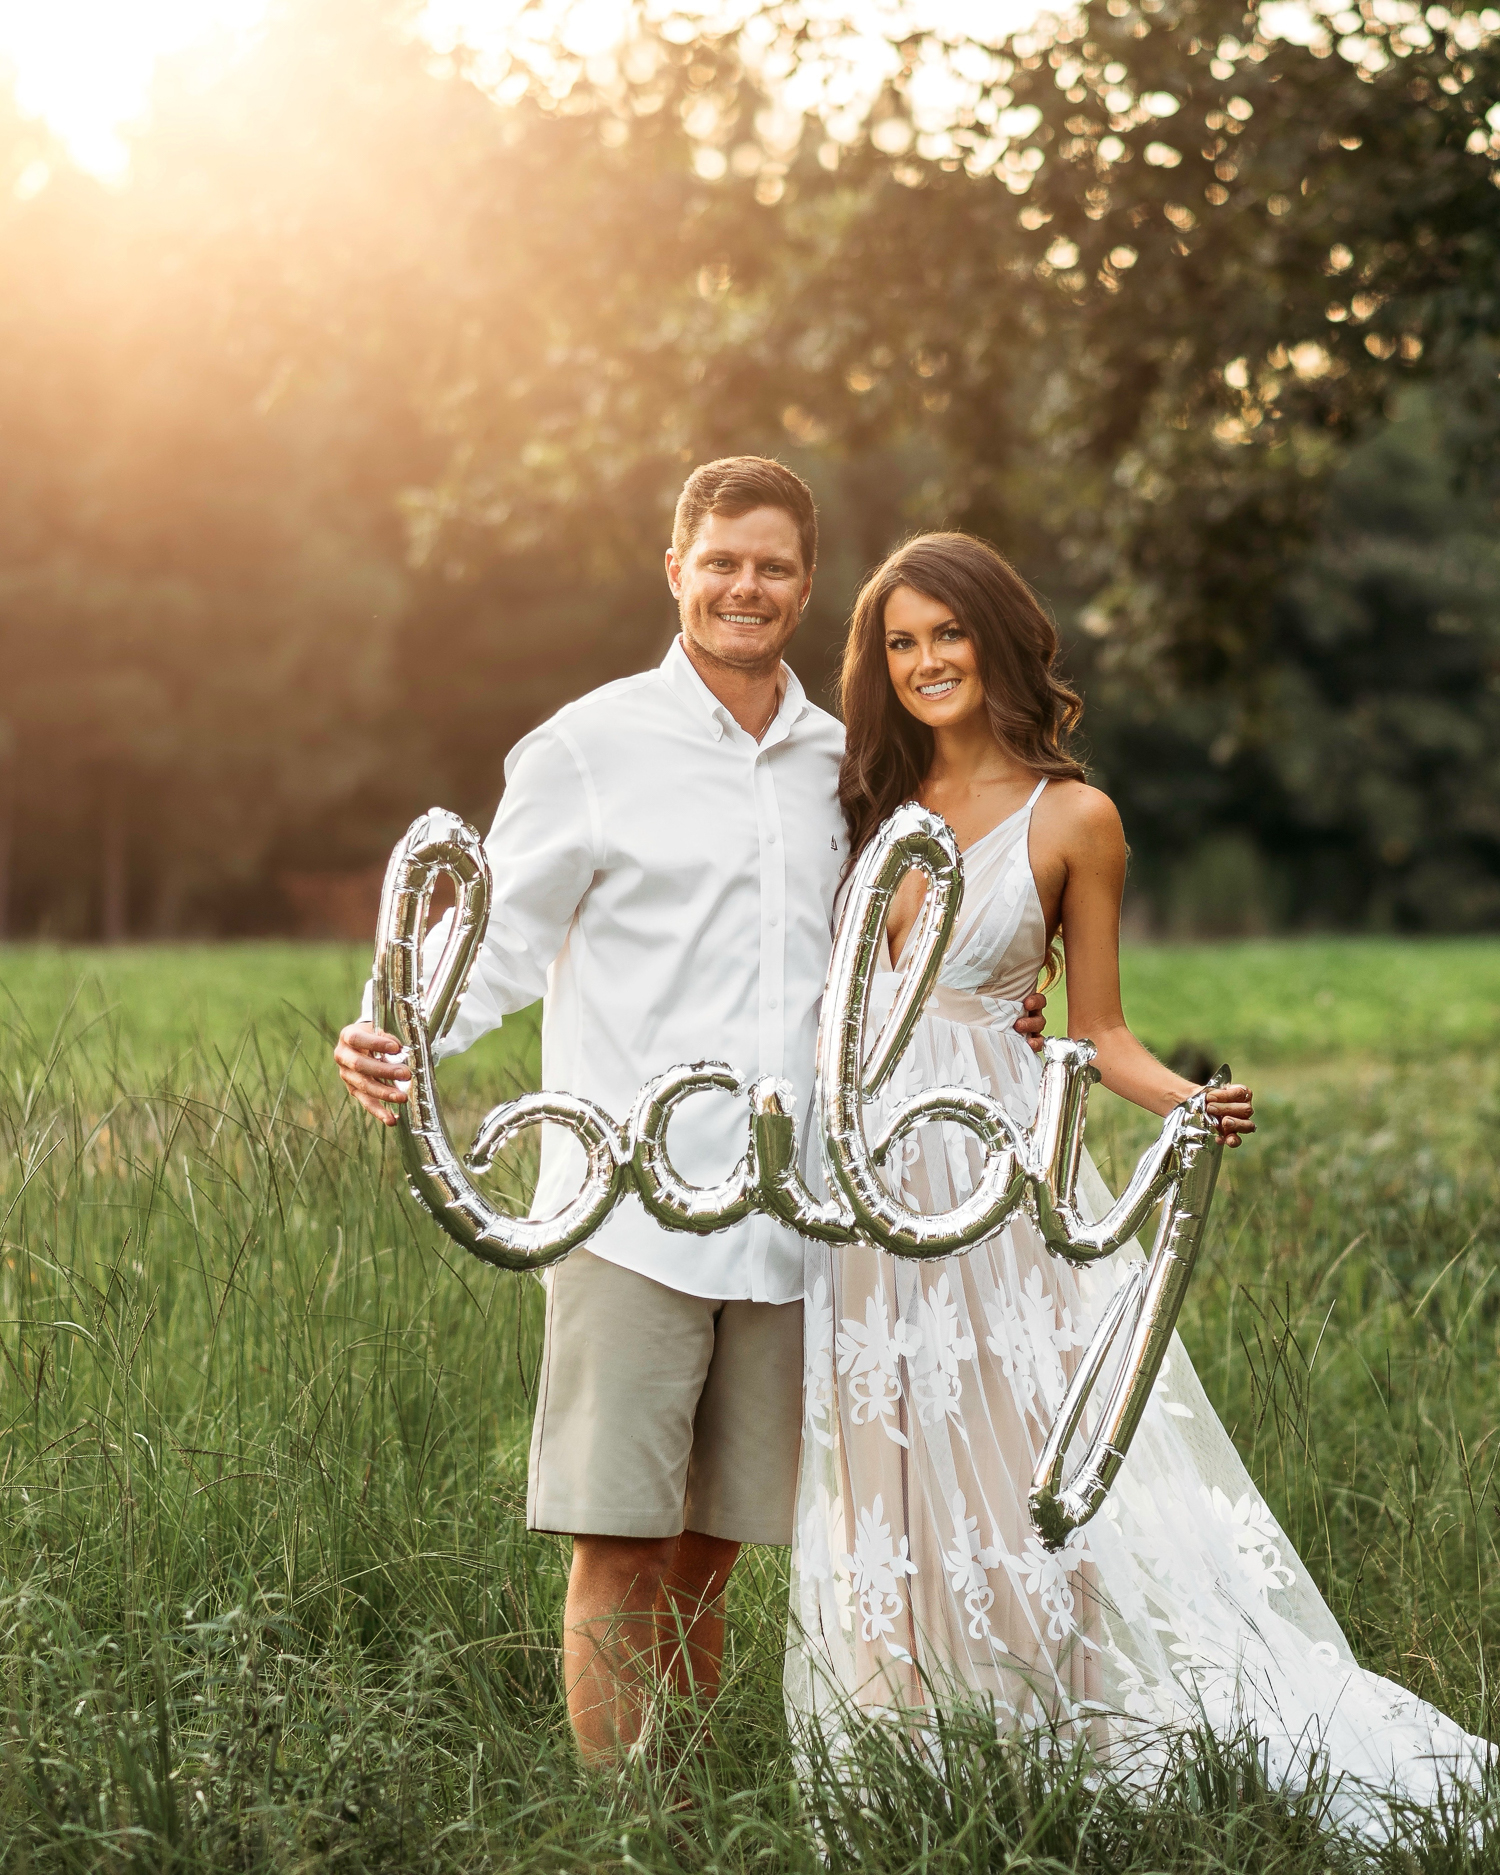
(338, 444)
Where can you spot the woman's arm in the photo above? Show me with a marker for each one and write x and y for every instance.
(1092, 846)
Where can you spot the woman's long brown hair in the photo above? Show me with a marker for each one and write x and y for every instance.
(887, 752)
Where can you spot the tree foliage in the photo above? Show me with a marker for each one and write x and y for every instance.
(339, 444)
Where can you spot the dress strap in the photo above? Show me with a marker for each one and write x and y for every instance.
(1036, 793)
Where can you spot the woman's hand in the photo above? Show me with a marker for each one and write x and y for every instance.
(1233, 1110)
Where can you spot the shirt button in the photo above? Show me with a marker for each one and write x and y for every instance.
(774, 921)
(774, 1004)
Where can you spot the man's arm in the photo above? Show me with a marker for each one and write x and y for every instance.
(542, 854)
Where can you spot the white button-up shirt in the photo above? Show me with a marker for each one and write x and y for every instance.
(667, 884)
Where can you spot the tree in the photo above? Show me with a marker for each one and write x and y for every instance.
(340, 445)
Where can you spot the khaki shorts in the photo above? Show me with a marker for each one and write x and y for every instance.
(659, 1412)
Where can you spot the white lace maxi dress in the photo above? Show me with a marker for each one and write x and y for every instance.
(929, 1389)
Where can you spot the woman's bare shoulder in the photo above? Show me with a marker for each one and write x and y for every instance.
(1074, 813)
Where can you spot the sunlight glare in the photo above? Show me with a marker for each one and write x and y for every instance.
(835, 77)
(85, 66)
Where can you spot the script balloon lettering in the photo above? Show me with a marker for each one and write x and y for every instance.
(419, 1015)
(1034, 1167)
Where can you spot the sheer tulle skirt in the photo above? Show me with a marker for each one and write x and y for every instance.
(917, 1578)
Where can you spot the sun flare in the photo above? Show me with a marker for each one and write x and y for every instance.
(84, 67)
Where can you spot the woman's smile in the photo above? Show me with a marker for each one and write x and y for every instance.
(933, 665)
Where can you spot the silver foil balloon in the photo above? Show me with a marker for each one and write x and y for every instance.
(419, 1014)
(1057, 1146)
(1145, 1310)
(1177, 1172)
(1035, 1167)
(780, 1189)
(671, 1202)
(848, 1074)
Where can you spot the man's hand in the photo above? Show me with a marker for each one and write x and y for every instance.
(1232, 1108)
(1034, 1021)
(373, 1069)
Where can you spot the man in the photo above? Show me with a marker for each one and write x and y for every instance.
(665, 861)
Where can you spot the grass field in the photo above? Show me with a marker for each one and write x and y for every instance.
(267, 1602)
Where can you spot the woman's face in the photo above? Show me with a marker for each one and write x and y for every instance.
(932, 661)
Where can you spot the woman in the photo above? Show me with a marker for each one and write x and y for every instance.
(930, 1387)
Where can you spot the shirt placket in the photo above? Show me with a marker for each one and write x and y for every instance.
(772, 1013)
(772, 974)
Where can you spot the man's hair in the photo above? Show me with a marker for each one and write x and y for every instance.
(735, 485)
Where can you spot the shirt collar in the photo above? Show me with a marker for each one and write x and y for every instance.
(677, 670)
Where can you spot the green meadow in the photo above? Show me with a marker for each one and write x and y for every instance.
(266, 1598)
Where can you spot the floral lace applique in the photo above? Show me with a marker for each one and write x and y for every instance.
(1159, 1394)
(969, 1567)
(1030, 1339)
(1044, 1574)
(1255, 1534)
(1203, 1664)
(1009, 1340)
(877, 1567)
(870, 1352)
(814, 1558)
(1149, 1701)
(817, 1370)
(936, 1384)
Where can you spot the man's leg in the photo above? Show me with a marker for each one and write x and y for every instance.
(640, 1611)
(690, 1615)
(622, 1373)
(609, 1638)
(632, 1427)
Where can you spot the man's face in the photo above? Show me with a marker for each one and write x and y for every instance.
(741, 586)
